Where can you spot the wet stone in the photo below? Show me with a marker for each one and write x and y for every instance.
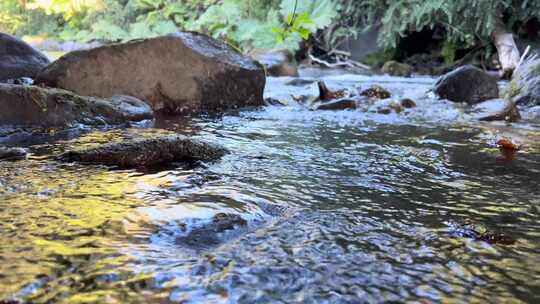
(395, 68)
(339, 104)
(144, 152)
(467, 84)
(376, 92)
(480, 233)
(408, 103)
(12, 153)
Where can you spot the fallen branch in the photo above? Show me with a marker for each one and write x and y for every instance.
(348, 63)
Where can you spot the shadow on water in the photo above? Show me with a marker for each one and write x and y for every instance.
(311, 207)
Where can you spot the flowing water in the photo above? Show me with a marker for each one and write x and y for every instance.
(341, 207)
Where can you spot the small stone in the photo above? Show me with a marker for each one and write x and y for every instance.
(395, 68)
(408, 103)
(226, 221)
(12, 153)
(339, 104)
(376, 92)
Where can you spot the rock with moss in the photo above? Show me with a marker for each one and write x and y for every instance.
(142, 151)
(34, 107)
(394, 68)
(179, 73)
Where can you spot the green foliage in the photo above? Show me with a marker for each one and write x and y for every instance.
(466, 22)
(251, 24)
(245, 24)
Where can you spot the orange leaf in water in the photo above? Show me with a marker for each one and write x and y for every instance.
(507, 144)
(508, 149)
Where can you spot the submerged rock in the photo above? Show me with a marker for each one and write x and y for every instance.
(407, 103)
(36, 107)
(388, 107)
(496, 109)
(208, 233)
(145, 151)
(480, 233)
(278, 62)
(179, 73)
(12, 153)
(18, 59)
(394, 68)
(467, 84)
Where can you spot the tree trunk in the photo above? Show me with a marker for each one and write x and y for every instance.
(506, 48)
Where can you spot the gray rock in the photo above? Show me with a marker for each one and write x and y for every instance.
(144, 151)
(12, 153)
(179, 73)
(467, 84)
(18, 59)
(494, 110)
(36, 107)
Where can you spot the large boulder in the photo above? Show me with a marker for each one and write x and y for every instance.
(467, 84)
(278, 62)
(143, 151)
(18, 59)
(36, 107)
(179, 73)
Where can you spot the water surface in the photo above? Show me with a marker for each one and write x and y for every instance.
(342, 207)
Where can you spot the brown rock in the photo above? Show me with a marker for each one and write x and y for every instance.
(338, 104)
(33, 106)
(408, 103)
(376, 92)
(179, 73)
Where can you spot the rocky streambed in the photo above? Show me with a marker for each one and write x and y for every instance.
(377, 190)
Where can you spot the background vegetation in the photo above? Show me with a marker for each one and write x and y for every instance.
(251, 24)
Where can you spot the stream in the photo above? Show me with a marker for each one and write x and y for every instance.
(335, 207)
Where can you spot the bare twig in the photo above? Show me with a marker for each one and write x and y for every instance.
(349, 63)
